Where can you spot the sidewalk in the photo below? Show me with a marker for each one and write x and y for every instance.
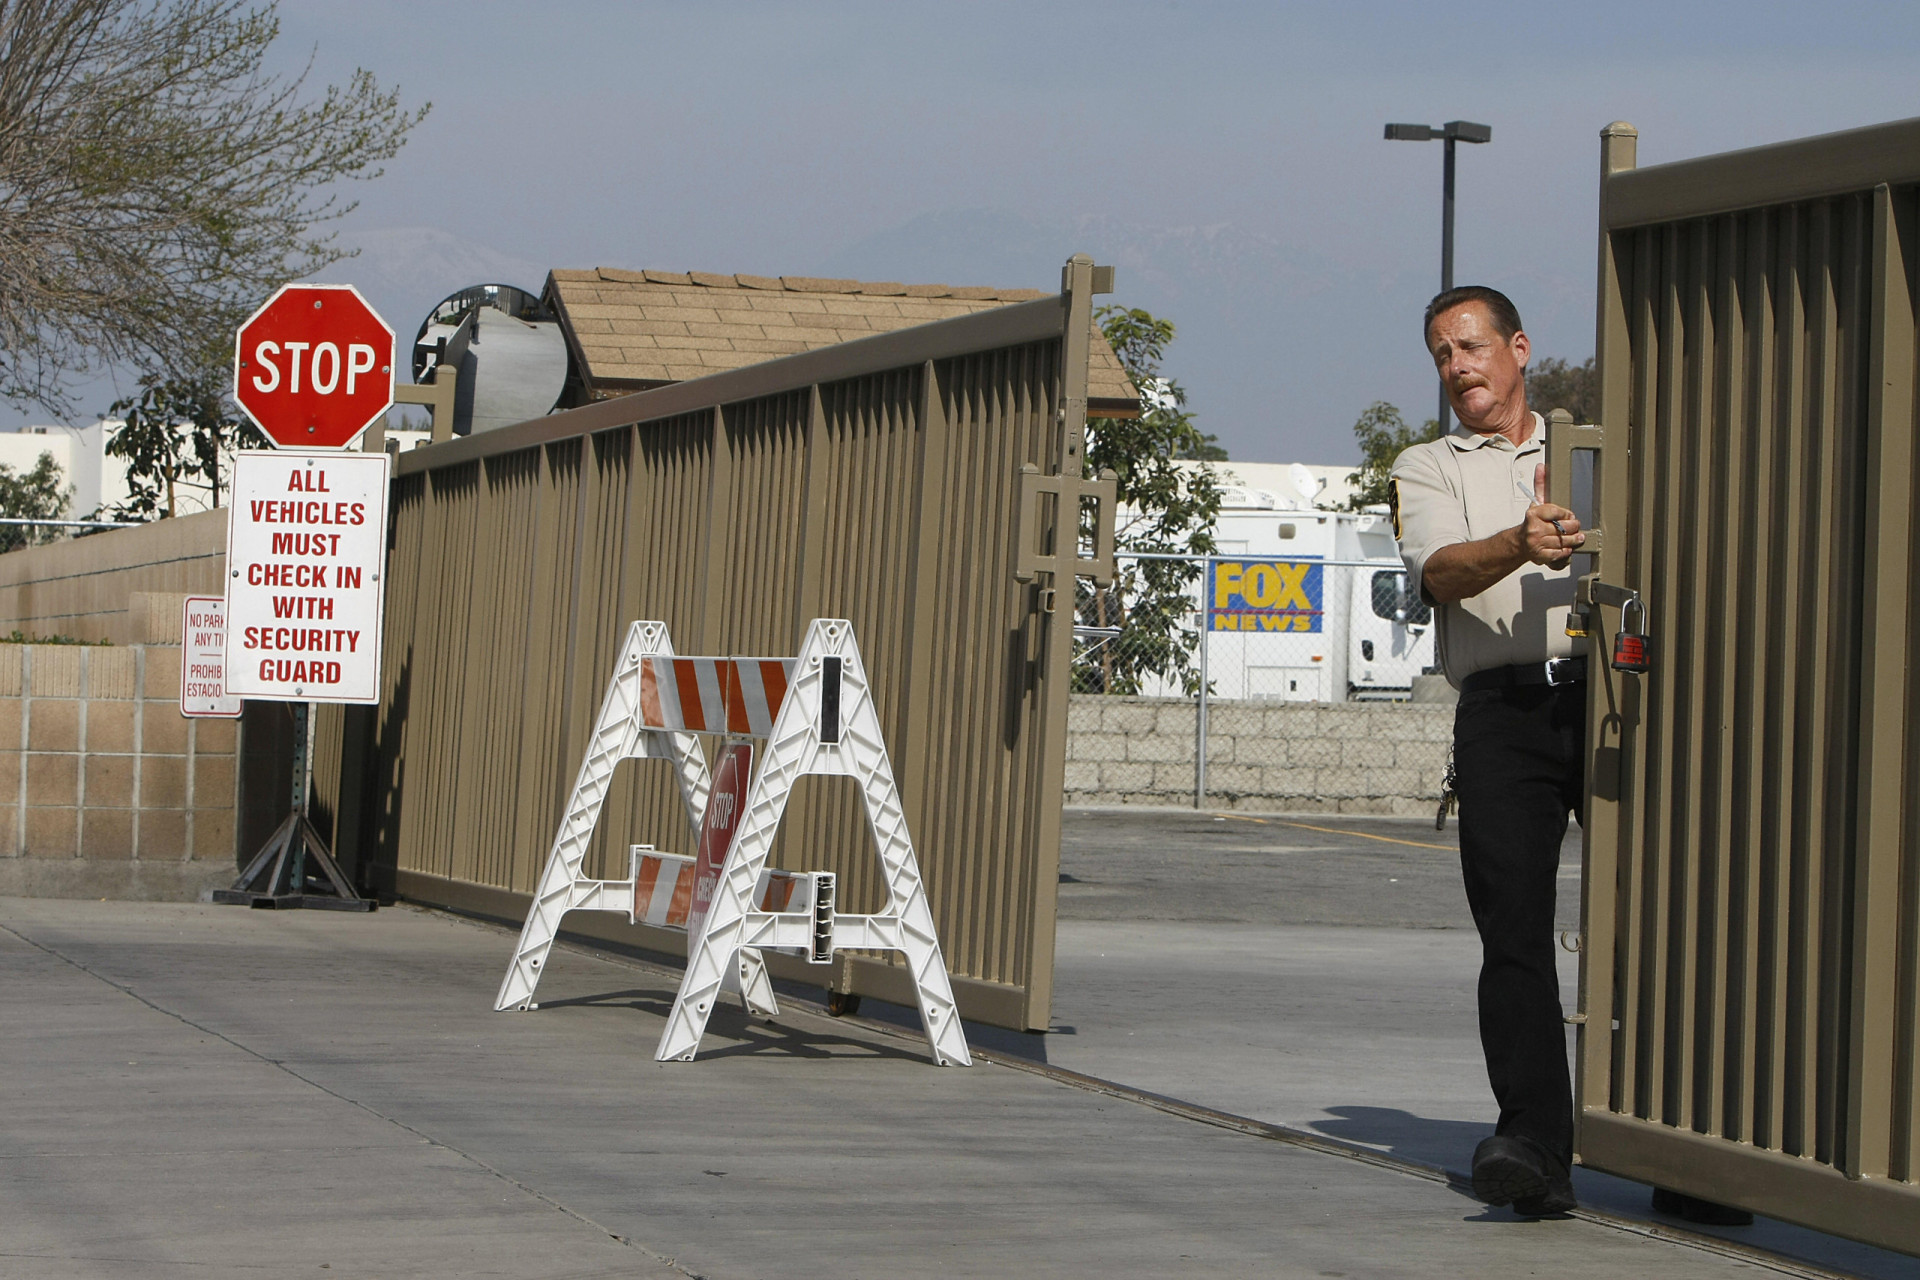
(201, 1090)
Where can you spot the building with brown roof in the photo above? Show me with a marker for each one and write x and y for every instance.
(631, 331)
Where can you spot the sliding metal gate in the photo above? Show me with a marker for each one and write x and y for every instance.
(883, 481)
(1753, 850)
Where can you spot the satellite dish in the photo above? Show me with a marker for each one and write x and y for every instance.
(1305, 483)
(504, 347)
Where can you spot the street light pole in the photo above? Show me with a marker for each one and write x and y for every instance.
(1446, 221)
(1454, 131)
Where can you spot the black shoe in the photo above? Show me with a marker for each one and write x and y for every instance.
(1522, 1173)
(1705, 1212)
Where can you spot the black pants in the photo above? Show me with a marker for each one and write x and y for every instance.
(1519, 760)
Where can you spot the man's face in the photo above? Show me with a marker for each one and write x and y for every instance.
(1485, 374)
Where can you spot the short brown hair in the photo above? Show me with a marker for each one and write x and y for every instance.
(1500, 308)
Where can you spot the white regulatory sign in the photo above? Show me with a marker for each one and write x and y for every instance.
(306, 547)
(203, 654)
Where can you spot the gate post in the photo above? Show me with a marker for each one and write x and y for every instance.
(1600, 827)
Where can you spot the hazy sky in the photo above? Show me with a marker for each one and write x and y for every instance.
(1226, 157)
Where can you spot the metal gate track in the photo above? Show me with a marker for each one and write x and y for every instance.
(801, 1002)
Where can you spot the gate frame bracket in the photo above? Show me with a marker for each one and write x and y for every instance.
(1069, 490)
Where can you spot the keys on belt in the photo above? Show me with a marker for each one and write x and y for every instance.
(1558, 671)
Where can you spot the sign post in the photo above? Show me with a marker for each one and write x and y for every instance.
(306, 550)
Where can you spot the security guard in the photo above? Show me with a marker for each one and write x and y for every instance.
(1493, 556)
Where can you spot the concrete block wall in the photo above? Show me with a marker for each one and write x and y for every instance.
(116, 586)
(106, 790)
(1357, 757)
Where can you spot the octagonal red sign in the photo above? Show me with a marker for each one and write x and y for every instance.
(314, 366)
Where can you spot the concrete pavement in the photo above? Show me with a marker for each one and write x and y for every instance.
(1314, 972)
(212, 1091)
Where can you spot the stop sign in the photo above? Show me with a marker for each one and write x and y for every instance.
(314, 366)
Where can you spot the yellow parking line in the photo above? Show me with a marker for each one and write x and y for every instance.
(1335, 831)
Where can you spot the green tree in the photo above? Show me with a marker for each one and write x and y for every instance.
(32, 495)
(1165, 508)
(1555, 384)
(156, 182)
(1382, 434)
(179, 432)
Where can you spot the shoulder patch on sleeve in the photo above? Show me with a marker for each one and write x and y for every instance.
(1393, 505)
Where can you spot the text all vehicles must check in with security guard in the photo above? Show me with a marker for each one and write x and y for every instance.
(306, 544)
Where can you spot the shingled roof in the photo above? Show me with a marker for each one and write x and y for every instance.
(634, 330)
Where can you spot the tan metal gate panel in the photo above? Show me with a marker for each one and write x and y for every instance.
(1752, 880)
(876, 481)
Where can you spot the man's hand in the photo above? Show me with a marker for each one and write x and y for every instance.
(1548, 535)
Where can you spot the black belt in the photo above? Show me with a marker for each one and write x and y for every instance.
(1559, 671)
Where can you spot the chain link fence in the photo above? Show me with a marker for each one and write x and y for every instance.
(1257, 682)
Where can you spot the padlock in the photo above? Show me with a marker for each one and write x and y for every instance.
(1630, 653)
(1633, 647)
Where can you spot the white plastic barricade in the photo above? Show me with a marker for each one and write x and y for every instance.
(812, 714)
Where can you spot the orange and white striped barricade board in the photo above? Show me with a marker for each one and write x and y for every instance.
(663, 888)
(812, 714)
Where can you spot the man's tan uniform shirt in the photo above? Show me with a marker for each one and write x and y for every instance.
(1461, 488)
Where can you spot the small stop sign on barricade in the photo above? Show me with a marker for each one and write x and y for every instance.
(314, 366)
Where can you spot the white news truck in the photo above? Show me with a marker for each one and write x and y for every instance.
(1303, 604)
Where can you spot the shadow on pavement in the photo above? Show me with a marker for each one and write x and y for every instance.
(1446, 1143)
(731, 1033)
(646, 1001)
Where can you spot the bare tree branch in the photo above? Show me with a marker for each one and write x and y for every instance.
(155, 182)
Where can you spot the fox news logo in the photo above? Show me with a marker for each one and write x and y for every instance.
(1266, 595)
